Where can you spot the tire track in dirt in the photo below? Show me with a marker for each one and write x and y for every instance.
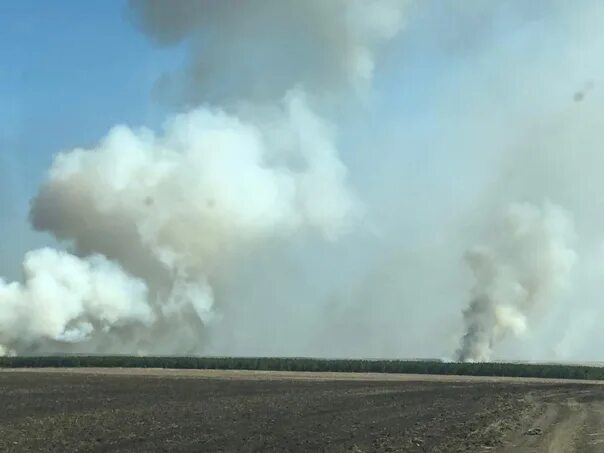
(561, 421)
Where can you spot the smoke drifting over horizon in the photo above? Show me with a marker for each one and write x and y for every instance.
(309, 197)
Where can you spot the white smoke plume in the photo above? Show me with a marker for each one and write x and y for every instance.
(156, 219)
(173, 209)
(526, 264)
(261, 49)
(65, 298)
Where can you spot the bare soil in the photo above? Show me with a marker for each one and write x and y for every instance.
(167, 410)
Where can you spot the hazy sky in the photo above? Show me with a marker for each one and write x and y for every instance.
(471, 106)
(71, 70)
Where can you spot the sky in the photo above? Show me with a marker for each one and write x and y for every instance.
(471, 106)
(70, 71)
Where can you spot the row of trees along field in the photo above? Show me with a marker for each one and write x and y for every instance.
(308, 364)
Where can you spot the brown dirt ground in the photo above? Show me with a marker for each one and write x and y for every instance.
(174, 410)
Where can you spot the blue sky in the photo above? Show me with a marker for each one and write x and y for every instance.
(70, 70)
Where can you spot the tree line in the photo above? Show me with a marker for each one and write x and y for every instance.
(309, 364)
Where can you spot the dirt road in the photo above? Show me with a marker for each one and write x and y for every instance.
(156, 410)
(561, 420)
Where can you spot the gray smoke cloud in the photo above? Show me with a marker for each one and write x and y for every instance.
(156, 219)
(261, 49)
(153, 220)
(528, 261)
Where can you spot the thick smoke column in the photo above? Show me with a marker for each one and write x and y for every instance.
(173, 210)
(153, 219)
(527, 262)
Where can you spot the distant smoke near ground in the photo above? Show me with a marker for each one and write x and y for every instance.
(528, 261)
